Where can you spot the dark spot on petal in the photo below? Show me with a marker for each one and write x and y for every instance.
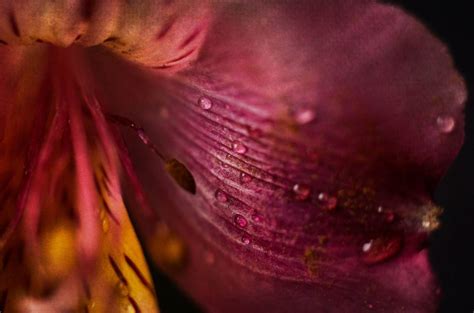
(87, 9)
(117, 271)
(137, 271)
(181, 175)
(111, 39)
(3, 299)
(134, 304)
(3, 42)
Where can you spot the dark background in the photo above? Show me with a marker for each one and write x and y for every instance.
(452, 246)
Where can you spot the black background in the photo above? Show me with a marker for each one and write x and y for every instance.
(452, 245)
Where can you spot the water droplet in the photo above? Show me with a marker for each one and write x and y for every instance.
(123, 289)
(221, 196)
(381, 249)
(304, 115)
(245, 239)
(143, 136)
(238, 147)
(445, 123)
(329, 203)
(205, 103)
(301, 191)
(254, 132)
(366, 246)
(105, 225)
(245, 178)
(240, 221)
(257, 217)
(388, 215)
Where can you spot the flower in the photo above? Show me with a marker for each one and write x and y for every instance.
(288, 151)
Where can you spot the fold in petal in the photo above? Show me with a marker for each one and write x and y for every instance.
(316, 133)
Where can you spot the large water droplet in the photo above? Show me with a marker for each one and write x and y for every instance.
(381, 249)
(304, 115)
(245, 178)
(238, 147)
(240, 221)
(301, 191)
(205, 103)
(445, 123)
(221, 196)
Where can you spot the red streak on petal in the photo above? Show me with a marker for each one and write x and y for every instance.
(166, 28)
(191, 37)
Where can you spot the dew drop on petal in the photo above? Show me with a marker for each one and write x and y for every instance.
(366, 246)
(445, 123)
(205, 103)
(328, 202)
(304, 115)
(238, 147)
(245, 178)
(381, 249)
(245, 239)
(254, 132)
(221, 196)
(301, 191)
(257, 217)
(240, 221)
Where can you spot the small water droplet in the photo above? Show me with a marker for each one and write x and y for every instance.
(245, 239)
(380, 209)
(304, 115)
(240, 221)
(123, 289)
(301, 191)
(205, 103)
(366, 246)
(238, 147)
(245, 178)
(257, 217)
(105, 225)
(328, 202)
(381, 249)
(445, 123)
(221, 196)
(254, 132)
(370, 306)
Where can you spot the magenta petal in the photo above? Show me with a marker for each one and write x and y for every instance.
(316, 134)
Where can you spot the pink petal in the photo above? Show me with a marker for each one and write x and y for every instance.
(342, 115)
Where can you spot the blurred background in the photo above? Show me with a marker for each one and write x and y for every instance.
(451, 247)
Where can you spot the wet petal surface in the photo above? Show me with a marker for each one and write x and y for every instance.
(315, 154)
